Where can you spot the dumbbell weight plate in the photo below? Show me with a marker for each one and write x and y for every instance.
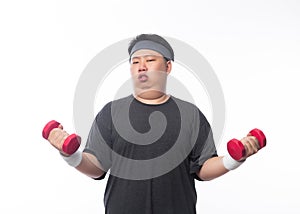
(48, 127)
(260, 136)
(236, 149)
(71, 144)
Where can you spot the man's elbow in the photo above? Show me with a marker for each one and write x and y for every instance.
(204, 177)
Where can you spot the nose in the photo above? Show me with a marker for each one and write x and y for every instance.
(142, 66)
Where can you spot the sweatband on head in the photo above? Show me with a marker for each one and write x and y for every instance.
(147, 44)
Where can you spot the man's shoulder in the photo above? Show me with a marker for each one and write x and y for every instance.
(189, 109)
(185, 104)
(116, 104)
(118, 101)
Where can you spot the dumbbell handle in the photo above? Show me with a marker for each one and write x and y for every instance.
(71, 143)
(237, 150)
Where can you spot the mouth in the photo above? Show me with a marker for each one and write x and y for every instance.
(143, 77)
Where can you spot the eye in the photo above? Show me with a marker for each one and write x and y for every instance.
(150, 60)
(134, 61)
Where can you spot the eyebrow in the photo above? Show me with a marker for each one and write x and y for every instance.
(149, 55)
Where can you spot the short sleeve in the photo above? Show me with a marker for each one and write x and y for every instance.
(204, 147)
(99, 139)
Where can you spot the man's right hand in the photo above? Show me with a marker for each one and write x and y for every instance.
(57, 137)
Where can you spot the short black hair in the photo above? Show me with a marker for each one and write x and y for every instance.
(152, 37)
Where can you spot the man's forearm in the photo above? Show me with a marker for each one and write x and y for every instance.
(212, 168)
(90, 166)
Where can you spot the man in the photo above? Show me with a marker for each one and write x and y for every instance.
(146, 126)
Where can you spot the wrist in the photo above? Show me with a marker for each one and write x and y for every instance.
(73, 160)
(230, 163)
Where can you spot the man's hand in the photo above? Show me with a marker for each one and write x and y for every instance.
(57, 138)
(251, 146)
(61, 140)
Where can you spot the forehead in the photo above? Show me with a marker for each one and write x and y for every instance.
(145, 52)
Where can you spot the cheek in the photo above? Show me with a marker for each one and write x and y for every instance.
(132, 70)
(163, 67)
(157, 67)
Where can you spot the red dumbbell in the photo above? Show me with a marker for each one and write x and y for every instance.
(71, 143)
(237, 150)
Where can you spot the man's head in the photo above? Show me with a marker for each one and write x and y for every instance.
(152, 42)
(150, 63)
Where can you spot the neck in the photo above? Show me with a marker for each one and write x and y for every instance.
(152, 98)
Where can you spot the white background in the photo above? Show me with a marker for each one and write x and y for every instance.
(253, 47)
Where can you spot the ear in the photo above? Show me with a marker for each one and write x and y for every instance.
(169, 66)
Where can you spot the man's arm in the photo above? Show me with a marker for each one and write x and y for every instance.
(212, 168)
(90, 166)
(215, 166)
(82, 161)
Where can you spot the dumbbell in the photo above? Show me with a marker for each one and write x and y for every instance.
(237, 150)
(71, 143)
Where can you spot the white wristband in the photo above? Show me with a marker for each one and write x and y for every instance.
(230, 163)
(74, 159)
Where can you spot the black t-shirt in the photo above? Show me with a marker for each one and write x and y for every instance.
(153, 153)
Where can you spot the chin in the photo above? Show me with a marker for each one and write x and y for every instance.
(150, 94)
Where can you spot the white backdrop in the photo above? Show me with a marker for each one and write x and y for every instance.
(253, 47)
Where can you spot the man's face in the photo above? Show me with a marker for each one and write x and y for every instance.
(149, 71)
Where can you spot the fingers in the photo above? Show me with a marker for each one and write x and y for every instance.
(251, 145)
(57, 137)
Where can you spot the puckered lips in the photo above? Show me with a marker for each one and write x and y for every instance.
(143, 77)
